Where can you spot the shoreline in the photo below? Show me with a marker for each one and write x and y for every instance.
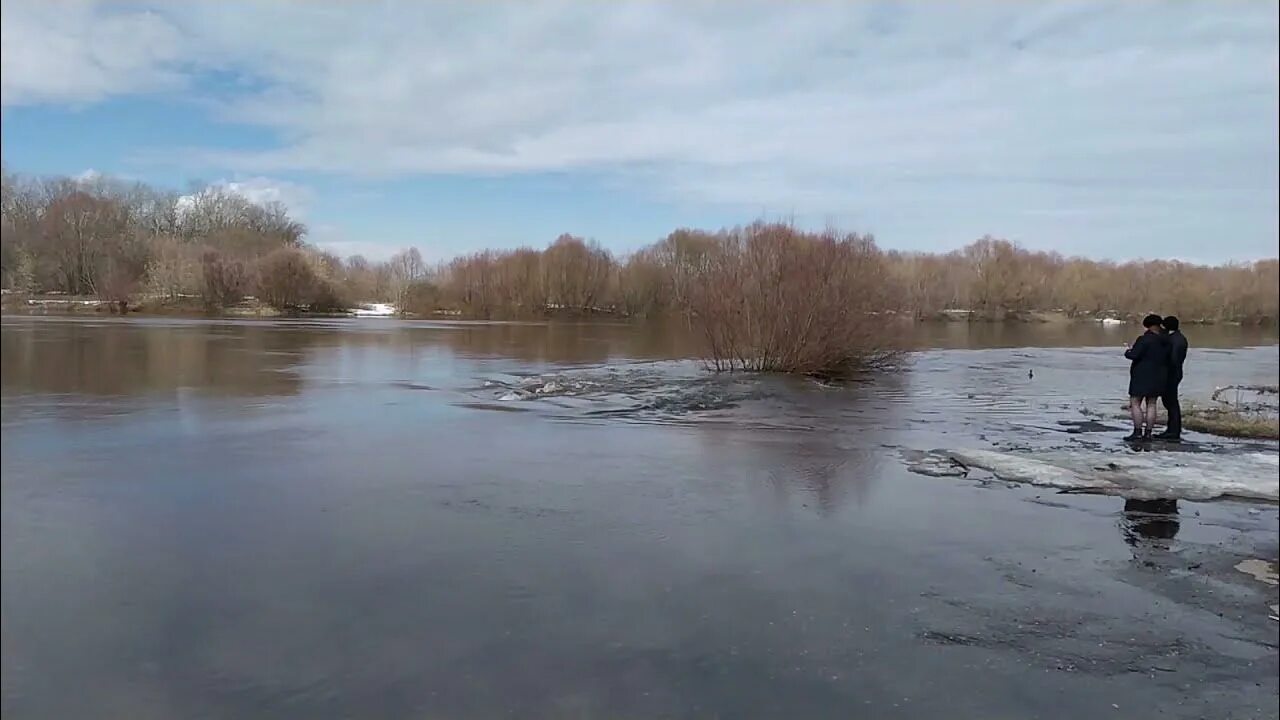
(84, 306)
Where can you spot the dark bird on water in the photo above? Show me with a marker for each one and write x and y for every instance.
(1031, 373)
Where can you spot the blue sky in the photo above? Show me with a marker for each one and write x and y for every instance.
(1118, 130)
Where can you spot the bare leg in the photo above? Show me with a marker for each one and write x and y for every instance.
(1135, 412)
(1151, 414)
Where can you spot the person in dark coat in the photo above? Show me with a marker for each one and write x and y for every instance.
(1177, 356)
(1148, 373)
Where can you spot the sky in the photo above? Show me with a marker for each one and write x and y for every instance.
(1131, 129)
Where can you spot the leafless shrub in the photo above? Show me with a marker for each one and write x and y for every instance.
(777, 300)
(422, 299)
(117, 282)
(224, 279)
(300, 279)
(174, 268)
(286, 280)
(360, 278)
(327, 297)
(328, 291)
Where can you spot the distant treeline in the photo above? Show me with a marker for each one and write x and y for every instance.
(125, 241)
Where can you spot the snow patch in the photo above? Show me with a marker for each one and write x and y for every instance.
(374, 310)
(1260, 569)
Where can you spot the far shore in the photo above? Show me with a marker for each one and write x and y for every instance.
(54, 304)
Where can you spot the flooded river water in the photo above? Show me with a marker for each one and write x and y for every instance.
(384, 519)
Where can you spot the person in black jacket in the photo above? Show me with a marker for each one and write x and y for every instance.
(1177, 356)
(1148, 373)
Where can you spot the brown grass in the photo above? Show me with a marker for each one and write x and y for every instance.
(1229, 422)
(1243, 411)
(1252, 421)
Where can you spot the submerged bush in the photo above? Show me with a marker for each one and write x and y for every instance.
(770, 298)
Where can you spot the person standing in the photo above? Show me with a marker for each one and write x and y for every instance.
(1148, 373)
(1177, 356)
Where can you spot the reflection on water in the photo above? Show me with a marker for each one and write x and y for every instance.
(1150, 520)
(124, 359)
(261, 357)
(1073, 334)
(329, 519)
(114, 357)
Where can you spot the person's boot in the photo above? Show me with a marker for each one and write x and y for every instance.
(1135, 435)
(1146, 434)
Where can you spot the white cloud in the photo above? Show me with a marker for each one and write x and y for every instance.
(1055, 123)
(77, 51)
(263, 191)
(332, 240)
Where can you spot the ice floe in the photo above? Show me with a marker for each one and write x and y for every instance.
(1192, 476)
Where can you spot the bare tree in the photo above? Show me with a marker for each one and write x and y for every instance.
(404, 269)
(577, 273)
(360, 278)
(174, 268)
(109, 238)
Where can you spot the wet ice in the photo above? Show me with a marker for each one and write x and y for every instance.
(1190, 476)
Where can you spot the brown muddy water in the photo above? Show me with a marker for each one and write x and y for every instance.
(382, 519)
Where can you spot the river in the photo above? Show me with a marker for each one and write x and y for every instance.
(391, 519)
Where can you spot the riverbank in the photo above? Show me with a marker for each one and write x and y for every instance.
(187, 307)
(194, 307)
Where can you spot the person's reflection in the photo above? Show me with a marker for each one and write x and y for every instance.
(1149, 520)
